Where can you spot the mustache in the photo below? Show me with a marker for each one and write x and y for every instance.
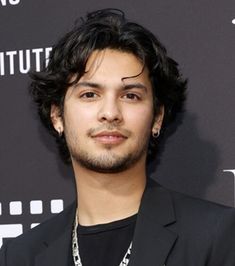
(108, 127)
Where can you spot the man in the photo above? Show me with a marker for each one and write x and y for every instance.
(107, 93)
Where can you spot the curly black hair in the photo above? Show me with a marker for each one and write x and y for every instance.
(106, 28)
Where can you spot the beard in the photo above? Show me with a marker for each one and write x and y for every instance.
(107, 161)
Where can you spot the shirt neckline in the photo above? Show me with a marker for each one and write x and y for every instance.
(98, 228)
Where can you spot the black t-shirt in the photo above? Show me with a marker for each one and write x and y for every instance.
(105, 244)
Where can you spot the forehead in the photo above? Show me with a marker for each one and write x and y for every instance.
(110, 64)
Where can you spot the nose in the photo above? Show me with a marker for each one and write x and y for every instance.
(110, 111)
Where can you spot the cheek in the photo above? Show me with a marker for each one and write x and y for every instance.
(78, 119)
(140, 120)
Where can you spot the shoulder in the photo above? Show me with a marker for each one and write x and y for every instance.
(192, 215)
(188, 206)
(205, 227)
(47, 229)
(32, 241)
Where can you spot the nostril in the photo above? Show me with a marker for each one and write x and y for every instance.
(110, 116)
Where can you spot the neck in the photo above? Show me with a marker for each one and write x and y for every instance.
(105, 197)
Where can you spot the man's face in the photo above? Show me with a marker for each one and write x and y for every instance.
(108, 114)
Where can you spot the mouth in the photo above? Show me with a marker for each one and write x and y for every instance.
(109, 137)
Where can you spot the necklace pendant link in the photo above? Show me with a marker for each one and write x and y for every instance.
(75, 248)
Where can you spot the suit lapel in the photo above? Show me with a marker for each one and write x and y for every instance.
(153, 239)
(57, 245)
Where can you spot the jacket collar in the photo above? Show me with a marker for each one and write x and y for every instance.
(57, 243)
(152, 241)
(153, 238)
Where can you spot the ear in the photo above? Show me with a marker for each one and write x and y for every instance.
(158, 120)
(56, 119)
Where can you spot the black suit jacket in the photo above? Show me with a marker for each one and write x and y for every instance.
(172, 229)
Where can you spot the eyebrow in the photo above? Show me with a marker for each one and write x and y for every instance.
(135, 86)
(99, 86)
(88, 84)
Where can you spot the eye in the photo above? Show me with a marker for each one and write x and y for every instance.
(131, 96)
(88, 95)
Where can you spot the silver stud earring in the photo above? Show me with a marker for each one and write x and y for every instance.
(60, 132)
(156, 133)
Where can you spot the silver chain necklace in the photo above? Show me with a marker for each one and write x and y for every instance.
(75, 249)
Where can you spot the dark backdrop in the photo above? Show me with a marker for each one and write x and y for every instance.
(197, 160)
